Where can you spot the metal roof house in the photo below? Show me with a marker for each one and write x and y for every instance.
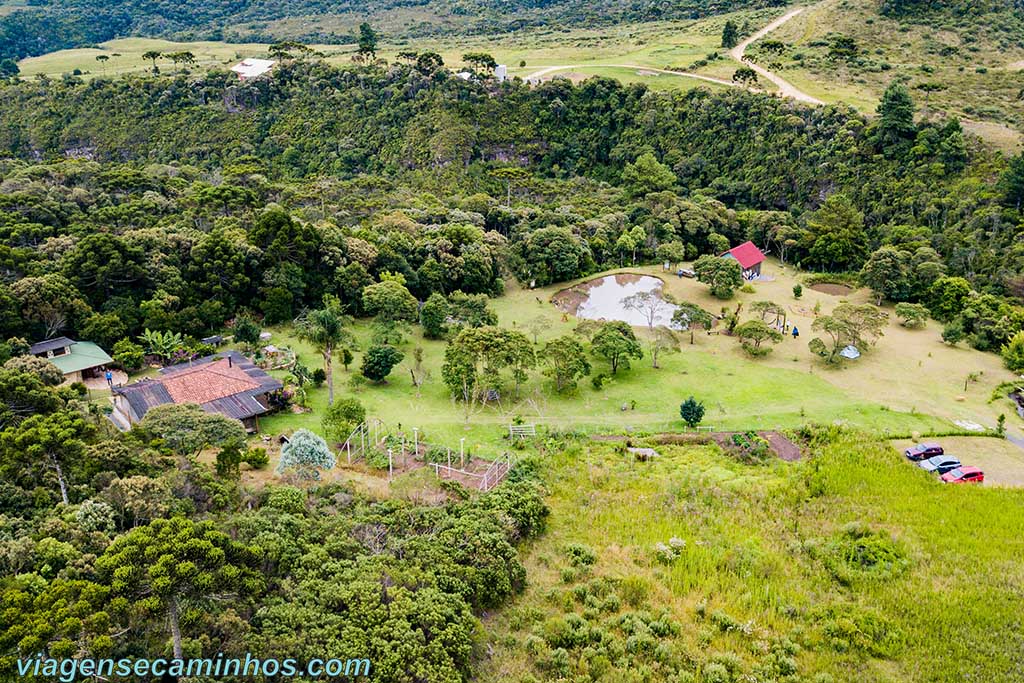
(77, 360)
(226, 383)
(248, 69)
(749, 257)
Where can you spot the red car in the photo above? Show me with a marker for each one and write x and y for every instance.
(964, 475)
(923, 451)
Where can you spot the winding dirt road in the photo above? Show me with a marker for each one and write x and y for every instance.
(786, 89)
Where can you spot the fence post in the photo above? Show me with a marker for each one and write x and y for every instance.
(449, 458)
(391, 468)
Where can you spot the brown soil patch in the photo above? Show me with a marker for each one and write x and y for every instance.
(831, 288)
(783, 448)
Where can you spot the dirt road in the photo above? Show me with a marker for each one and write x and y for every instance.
(786, 88)
(538, 75)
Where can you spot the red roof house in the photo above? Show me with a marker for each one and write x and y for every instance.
(226, 383)
(749, 257)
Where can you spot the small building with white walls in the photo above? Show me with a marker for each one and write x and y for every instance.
(501, 73)
(247, 69)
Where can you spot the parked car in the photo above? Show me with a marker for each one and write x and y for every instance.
(964, 475)
(923, 451)
(940, 464)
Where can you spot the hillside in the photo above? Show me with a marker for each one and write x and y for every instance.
(73, 23)
(965, 64)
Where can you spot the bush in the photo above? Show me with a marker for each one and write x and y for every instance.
(287, 499)
(379, 361)
(341, 418)
(580, 555)
(858, 553)
(319, 377)
(798, 291)
(1013, 353)
(256, 458)
(128, 355)
(912, 315)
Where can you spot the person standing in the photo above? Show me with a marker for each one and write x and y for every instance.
(796, 332)
(109, 376)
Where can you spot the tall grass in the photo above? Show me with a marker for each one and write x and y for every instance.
(757, 569)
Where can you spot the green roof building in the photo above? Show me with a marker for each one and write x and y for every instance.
(77, 360)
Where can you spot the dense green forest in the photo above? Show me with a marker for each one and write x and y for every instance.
(324, 180)
(60, 24)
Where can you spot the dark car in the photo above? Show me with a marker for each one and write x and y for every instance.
(939, 464)
(923, 451)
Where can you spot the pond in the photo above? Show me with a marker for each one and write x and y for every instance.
(604, 299)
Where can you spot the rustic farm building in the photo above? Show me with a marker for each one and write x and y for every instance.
(77, 360)
(226, 383)
(749, 257)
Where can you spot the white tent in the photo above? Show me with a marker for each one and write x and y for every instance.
(850, 352)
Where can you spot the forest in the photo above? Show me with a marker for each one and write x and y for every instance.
(328, 179)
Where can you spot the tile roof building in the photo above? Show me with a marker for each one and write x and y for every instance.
(77, 360)
(225, 383)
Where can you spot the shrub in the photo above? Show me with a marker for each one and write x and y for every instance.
(798, 291)
(850, 628)
(128, 355)
(287, 499)
(912, 315)
(306, 454)
(580, 555)
(341, 418)
(859, 553)
(1013, 353)
(379, 361)
(256, 458)
(319, 377)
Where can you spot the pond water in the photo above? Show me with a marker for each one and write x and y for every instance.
(604, 299)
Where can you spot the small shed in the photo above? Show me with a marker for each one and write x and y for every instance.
(248, 69)
(749, 257)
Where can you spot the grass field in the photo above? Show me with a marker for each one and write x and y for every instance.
(981, 82)
(978, 77)
(759, 586)
(901, 387)
(658, 45)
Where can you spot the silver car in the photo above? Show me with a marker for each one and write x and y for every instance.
(939, 464)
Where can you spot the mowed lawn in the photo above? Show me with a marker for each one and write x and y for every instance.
(751, 570)
(901, 387)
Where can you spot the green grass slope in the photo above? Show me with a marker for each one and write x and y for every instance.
(849, 566)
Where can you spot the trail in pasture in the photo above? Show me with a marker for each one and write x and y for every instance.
(786, 89)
